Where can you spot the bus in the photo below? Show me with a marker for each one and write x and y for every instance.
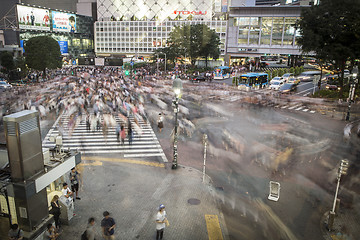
(256, 80)
(222, 72)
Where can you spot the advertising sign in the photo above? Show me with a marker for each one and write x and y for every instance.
(33, 18)
(63, 47)
(63, 22)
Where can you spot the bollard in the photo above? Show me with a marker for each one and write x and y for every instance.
(331, 220)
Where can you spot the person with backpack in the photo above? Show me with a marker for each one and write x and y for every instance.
(15, 233)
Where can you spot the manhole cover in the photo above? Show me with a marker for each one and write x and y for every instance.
(194, 201)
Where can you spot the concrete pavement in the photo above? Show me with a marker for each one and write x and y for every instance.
(132, 190)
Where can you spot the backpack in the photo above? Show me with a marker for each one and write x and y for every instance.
(84, 236)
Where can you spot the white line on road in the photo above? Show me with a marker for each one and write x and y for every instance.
(299, 108)
(305, 110)
(312, 111)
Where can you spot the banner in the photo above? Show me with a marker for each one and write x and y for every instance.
(33, 18)
(63, 22)
(63, 47)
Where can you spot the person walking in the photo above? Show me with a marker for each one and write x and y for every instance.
(15, 233)
(130, 133)
(108, 226)
(122, 135)
(50, 233)
(161, 222)
(74, 179)
(55, 210)
(160, 122)
(90, 231)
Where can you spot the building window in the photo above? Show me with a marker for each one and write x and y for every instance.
(289, 30)
(243, 24)
(254, 30)
(278, 24)
(266, 26)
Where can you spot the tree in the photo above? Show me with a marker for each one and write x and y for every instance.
(331, 30)
(194, 41)
(7, 61)
(42, 52)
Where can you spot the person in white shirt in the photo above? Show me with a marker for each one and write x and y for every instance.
(67, 192)
(161, 222)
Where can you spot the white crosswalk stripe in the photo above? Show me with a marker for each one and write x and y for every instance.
(144, 145)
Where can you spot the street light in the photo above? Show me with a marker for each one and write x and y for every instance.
(177, 88)
(351, 94)
(342, 171)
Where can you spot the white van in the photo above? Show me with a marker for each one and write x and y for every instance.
(309, 76)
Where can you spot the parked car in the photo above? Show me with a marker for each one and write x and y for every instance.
(4, 85)
(287, 88)
(275, 85)
(287, 76)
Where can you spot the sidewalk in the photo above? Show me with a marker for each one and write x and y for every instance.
(132, 191)
(346, 226)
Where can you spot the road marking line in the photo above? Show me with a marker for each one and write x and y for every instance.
(139, 162)
(96, 163)
(299, 108)
(312, 111)
(213, 227)
(305, 110)
(285, 106)
(294, 106)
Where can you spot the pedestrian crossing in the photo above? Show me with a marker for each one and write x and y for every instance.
(290, 106)
(144, 144)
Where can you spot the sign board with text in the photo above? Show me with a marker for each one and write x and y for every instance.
(32, 18)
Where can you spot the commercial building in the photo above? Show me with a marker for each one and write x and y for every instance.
(262, 30)
(140, 27)
(73, 32)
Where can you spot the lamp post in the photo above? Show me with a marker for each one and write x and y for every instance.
(342, 171)
(177, 88)
(351, 95)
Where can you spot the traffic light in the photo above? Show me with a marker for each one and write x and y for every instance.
(127, 72)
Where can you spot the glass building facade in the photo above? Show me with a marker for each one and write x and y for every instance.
(266, 30)
(121, 37)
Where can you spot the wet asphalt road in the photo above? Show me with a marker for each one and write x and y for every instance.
(250, 146)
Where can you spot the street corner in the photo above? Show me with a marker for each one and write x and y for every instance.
(99, 161)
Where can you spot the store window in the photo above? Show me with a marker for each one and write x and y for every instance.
(243, 24)
(278, 24)
(289, 30)
(76, 42)
(266, 25)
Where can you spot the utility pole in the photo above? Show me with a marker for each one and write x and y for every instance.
(342, 171)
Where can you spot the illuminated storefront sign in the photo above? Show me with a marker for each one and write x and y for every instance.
(63, 22)
(64, 48)
(33, 18)
(190, 12)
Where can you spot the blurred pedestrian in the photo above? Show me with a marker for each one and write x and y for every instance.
(122, 135)
(15, 233)
(67, 193)
(55, 210)
(74, 179)
(160, 122)
(161, 222)
(130, 133)
(108, 226)
(90, 231)
(50, 233)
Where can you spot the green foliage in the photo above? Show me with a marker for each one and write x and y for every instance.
(292, 70)
(275, 73)
(7, 61)
(42, 52)
(194, 41)
(331, 30)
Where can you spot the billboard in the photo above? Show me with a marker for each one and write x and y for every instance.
(33, 18)
(63, 22)
(64, 48)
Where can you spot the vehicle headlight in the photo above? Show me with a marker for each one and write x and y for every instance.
(327, 87)
(339, 88)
